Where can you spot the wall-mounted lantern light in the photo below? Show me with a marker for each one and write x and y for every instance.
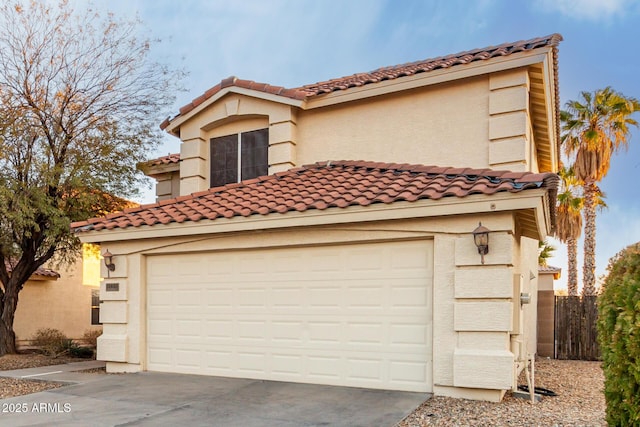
(481, 239)
(108, 261)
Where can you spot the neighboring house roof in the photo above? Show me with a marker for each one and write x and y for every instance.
(40, 274)
(48, 273)
(324, 185)
(380, 74)
(549, 269)
(165, 160)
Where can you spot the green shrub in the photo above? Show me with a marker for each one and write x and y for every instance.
(619, 337)
(81, 352)
(49, 341)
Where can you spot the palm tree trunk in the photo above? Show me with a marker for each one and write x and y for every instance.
(589, 265)
(572, 255)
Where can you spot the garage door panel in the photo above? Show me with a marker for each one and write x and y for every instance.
(161, 299)
(287, 332)
(356, 315)
(252, 331)
(216, 330)
(189, 328)
(252, 362)
(409, 334)
(219, 298)
(287, 297)
(321, 333)
(324, 297)
(187, 299)
(410, 295)
(253, 297)
(187, 358)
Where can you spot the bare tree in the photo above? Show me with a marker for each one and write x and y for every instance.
(80, 100)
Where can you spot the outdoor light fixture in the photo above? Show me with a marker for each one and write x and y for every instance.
(108, 260)
(481, 239)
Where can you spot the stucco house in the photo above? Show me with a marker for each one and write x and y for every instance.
(273, 254)
(66, 299)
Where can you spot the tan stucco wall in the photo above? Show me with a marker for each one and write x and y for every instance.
(545, 281)
(530, 310)
(475, 122)
(63, 304)
(546, 323)
(167, 186)
(232, 114)
(432, 125)
(472, 302)
(546, 315)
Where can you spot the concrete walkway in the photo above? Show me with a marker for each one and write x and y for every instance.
(160, 399)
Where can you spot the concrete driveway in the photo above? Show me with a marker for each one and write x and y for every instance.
(158, 399)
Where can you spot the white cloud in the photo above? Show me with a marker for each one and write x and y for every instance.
(591, 10)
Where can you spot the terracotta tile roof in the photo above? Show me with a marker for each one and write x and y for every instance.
(325, 185)
(41, 272)
(379, 75)
(409, 69)
(46, 272)
(164, 160)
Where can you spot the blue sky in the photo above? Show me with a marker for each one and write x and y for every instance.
(294, 42)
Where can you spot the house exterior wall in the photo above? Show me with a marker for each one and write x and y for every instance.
(482, 119)
(486, 117)
(472, 356)
(232, 114)
(546, 315)
(431, 125)
(63, 304)
(168, 186)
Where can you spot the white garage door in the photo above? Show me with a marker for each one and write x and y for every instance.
(351, 315)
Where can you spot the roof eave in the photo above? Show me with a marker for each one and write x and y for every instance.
(159, 170)
(529, 200)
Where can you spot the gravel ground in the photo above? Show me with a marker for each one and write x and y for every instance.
(10, 387)
(9, 362)
(580, 402)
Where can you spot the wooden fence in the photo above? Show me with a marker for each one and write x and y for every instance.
(575, 328)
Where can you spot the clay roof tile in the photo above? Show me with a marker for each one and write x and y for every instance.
(381, 74)
(326, 185)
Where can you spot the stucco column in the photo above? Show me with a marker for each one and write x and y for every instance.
(193, 165)
(282, 140)
(114, 316)
(509, 121)
(483, 315)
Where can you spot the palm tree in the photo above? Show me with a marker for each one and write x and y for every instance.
(595, 128)
(545, 250)
(569, 224)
